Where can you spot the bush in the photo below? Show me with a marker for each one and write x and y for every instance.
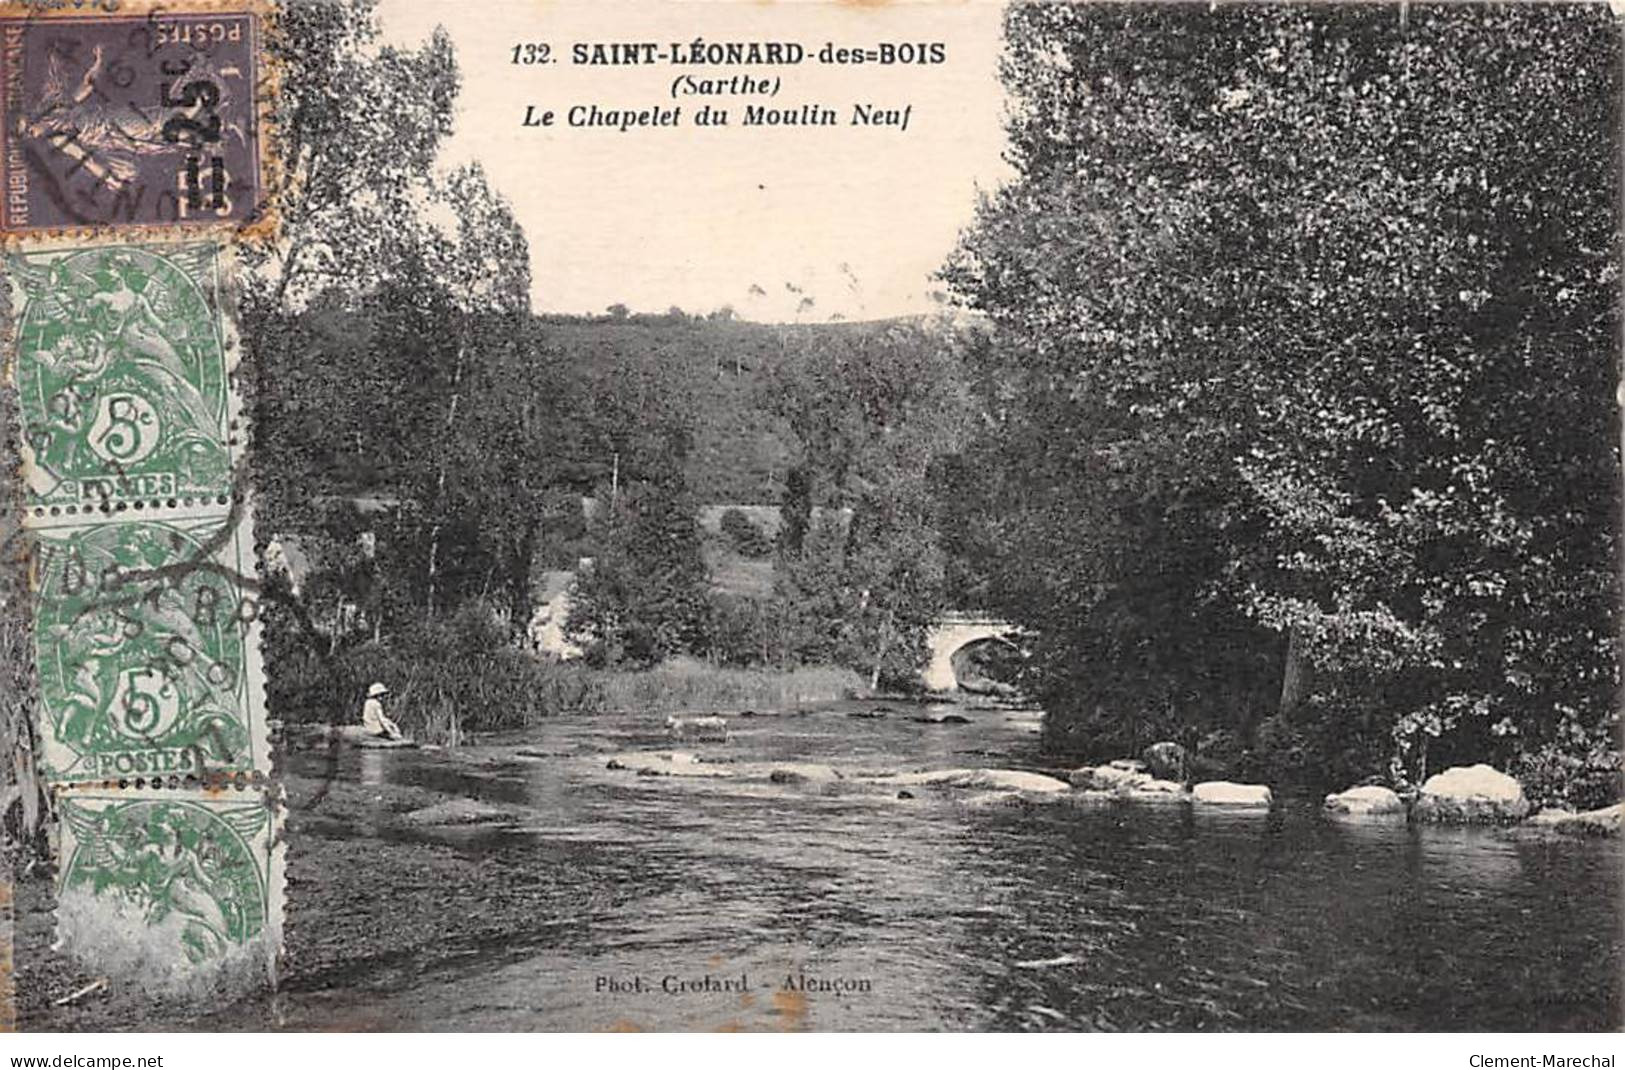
(1558, 775)
(744, 631)
(448, 678)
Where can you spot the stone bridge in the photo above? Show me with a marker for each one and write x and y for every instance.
(953, 633)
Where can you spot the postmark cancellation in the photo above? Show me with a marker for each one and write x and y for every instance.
(130, 119)
(147, 648)
(124, 355)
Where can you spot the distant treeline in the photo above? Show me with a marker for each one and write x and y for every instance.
(437, 458)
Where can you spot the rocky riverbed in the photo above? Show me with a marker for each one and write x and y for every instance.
(876, 872)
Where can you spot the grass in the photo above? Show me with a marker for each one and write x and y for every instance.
(686, 685)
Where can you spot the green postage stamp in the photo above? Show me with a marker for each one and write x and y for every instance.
(124, 357)
(196, 875)
(147, 649)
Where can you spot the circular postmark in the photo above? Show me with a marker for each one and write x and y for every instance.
(140, 674)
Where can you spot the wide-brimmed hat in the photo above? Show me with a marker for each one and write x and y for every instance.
(377, 689)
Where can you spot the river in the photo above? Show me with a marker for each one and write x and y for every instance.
(599, 899)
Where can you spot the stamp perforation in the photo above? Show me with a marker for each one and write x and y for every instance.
(149, 662)
(103, 335)
(233, 774)
(199, 872)
(253, 223)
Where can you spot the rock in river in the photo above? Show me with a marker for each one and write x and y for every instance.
(458, 812)
(1370, 800)
(983, 779)
(666, 763)
(1603, 822)
(1472, 793)
(804, 773)
(1108, 778)
(1158, 791)
(1225, 793)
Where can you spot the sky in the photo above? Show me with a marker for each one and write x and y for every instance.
(854, 218)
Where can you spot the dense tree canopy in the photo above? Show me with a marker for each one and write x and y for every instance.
(869, 408)
(359, 128)
(1305, 341)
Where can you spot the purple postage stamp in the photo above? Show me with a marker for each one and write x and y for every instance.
(129, 120)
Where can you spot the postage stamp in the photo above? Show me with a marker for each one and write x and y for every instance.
(197, 875)
(147, 650)
(122, 364)
(129, 120)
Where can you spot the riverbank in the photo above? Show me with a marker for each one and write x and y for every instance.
(507, 690)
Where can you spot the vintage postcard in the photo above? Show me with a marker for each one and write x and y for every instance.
(988, 516)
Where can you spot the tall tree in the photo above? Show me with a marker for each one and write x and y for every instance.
(1269, 291)
(359, 126)
(644, 596)
(870, 407)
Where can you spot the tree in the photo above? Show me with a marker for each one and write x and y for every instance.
(795, 511)
(870, 408)
(644, 596)
(1268, 293)
(814, 600)
(480, 262)
(390, 325)
(359, 125)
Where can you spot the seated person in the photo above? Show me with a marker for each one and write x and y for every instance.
(373, 718)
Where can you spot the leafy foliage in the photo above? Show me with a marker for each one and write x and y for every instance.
(644, 597)
(746, 537)
(870, 408)
(400, 422)
(448, 678)
(360, 125)
(1303, 319)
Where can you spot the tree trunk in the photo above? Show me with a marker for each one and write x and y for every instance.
(440, 479)
(519, 578)
(880, 658)
(1295, 678)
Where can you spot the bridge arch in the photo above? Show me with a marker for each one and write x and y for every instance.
(953, 633)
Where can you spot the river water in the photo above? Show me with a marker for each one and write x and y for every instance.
(735, 902)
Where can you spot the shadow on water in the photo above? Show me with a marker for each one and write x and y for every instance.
(599, 899)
